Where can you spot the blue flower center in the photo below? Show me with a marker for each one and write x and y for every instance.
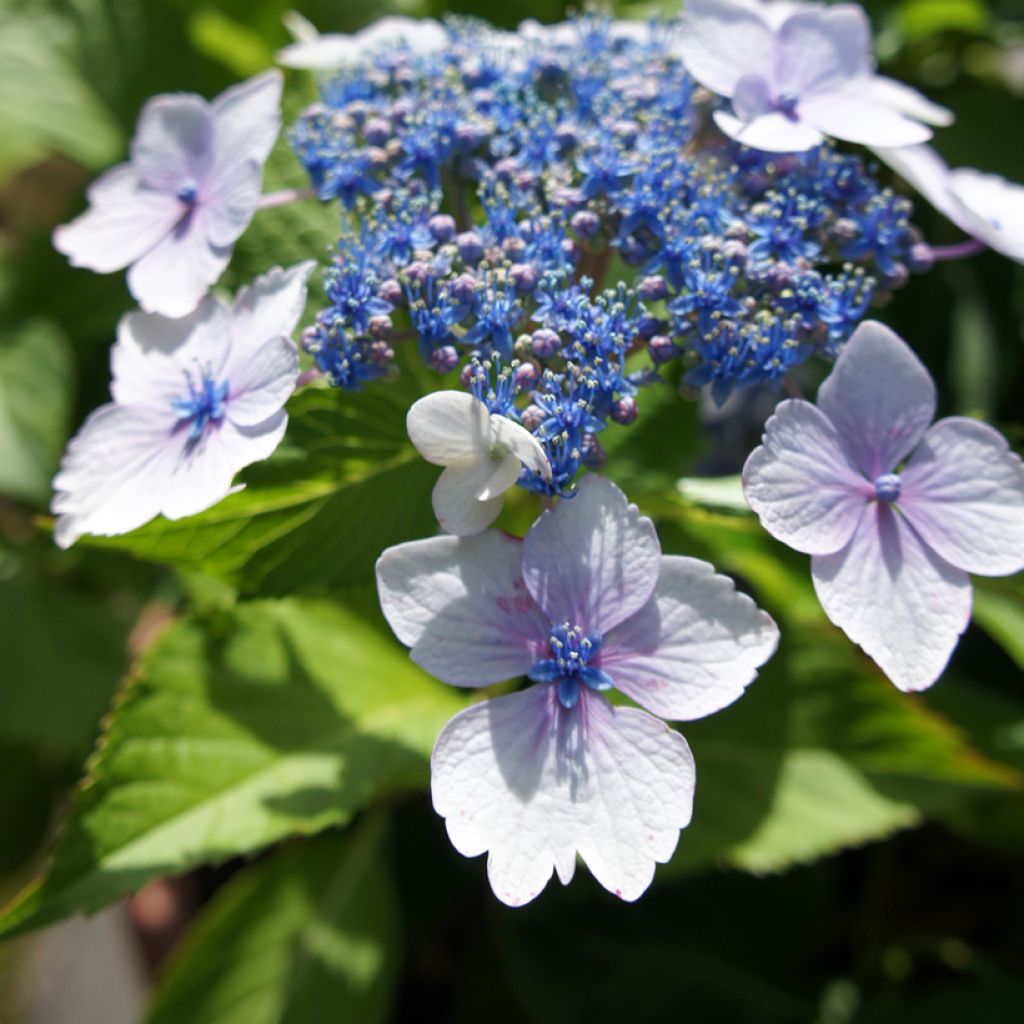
(188, 191)
(786, 104)
(887, 487)
(569, 666)
(205, 404)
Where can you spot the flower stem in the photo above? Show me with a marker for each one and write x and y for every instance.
(959, 251)
(791, 387)
(284, 197)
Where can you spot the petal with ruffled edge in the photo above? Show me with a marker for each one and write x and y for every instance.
(115, 472)
(271, 306)
(879, 397)
(532, 784)
(448, 427)
(693, 648)
(593, 560)
(173, 144)
(801, 484)
(520, 442)
(773, 133)
(855, 115)
(124, 221)
(895, 598)
(457, 500)
(462, 606)
(719, 42)
(175, 274)
(908, 101)
(260, 382)
(963, 491)
(994, 208)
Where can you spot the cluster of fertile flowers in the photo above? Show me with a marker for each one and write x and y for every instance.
(552, 218)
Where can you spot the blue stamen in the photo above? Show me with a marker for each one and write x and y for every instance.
(887, 487)
(188, 191)
(569, 667)
(206, 403)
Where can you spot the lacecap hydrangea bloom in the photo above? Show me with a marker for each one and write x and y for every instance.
(194, 401)
(895, 510)
(174, 212)
(586, 602)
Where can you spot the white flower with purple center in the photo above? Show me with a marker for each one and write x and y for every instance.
(894, 510)
(796, 73)
(194, 401)
(174, 212)
(584, 603)
(483, 454)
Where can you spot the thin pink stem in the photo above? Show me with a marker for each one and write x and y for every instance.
(284, 197)
(791, 387)
(960, 251)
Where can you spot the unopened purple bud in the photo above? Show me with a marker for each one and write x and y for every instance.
(571, 250)
(444, 359)
(470, 247)
(735, 251)
(377, 131)
(401, 109)
(653, 288)
(633, 251)
(380, 326)
(586, 224)
(377, 157)
(390, 291)
(845, 229)
(463, 289)
(524, 277)
(625, 410)
(381, 353)
(546, 343)
(647, 326)
(661, 349)
(899, 276)
(467, 376)
(393, 148)
(526, 377)
(594, 455)
(506, 168)
(442, 227)
(627, 131)
(417, 273)
(513, 247)
(567, 136)
(532, 417)
(309, 340)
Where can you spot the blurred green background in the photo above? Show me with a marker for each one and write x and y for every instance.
(923, 926)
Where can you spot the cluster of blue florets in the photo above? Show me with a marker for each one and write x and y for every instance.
(564, 222)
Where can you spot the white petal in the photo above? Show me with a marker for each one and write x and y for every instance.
(801, 483)
(114, 473)
(880, 398)
(923, 168)
(229, 207)
(821, 49)
(271, 306)
(456, 496)
(994, 208)
(521, 443)
(855, 115)
(593, 560)
(325, 53)
(462, 606)
(963, 491)
(260, 384)
(449, 426)
(895, 598)
(909, 101)
(693, 648)
(124, 221)
(501, 479)
(173, 276)
(248, 120)
(173, 144)
(773, 133)
(720, 41)
(534, 785)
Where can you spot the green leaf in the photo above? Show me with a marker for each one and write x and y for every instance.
(345, 485)
(718, 492)
(35, 398)
(276, 719)
(314, 926)
(999, 610)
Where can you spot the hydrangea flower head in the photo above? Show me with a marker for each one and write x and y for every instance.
(194, 401)
(483, 454)
(795, 73)
(173, 213)
(894, 510)
(584, 603)
(986, 206)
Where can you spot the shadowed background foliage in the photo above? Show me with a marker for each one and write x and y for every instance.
(856, 854)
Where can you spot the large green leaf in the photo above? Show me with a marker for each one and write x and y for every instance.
(312, 927)
(35, 396)
(346, 484)
(280, 718)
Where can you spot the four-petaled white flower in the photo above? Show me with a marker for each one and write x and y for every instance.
(796, 72)
(174, 212)
(584, 603)
(986, 206)
(895, 512)
(483, 454)
(194, 401)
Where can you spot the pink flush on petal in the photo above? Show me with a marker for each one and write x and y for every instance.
(894, 510)
(585, 603)
(173, 213)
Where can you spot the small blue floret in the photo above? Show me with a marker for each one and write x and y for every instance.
(568, 667)
(887, 487)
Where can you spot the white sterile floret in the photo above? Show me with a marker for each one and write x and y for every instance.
(194, 401)
(482, 454)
